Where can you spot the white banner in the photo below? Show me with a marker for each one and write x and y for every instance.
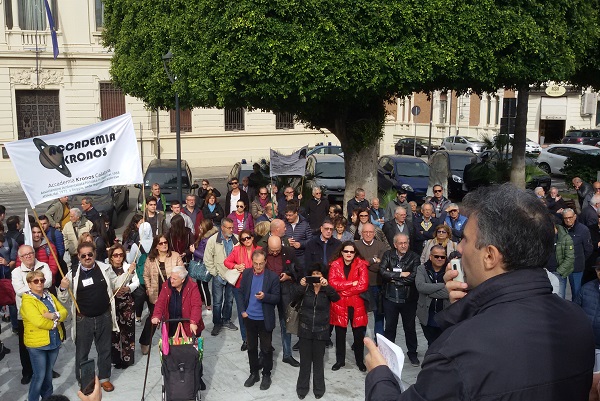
(77, 161)
(294, 164)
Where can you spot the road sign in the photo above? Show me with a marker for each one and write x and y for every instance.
(416, 110)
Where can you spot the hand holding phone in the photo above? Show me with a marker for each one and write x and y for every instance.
(313, 279)
(87, 375)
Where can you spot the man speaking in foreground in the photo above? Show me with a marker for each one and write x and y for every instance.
(506, 336)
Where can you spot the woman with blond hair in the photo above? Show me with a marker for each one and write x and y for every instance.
(443, 237)
(42, 313)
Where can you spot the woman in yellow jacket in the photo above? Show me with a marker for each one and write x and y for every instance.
(42, 313)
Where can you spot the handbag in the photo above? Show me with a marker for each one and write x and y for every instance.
(292, 316)
(7, 291)
(370, 302)
(198, 271)
(232, 276)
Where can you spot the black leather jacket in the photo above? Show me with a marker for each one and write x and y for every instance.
(396, 288)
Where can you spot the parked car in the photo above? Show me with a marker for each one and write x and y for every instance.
(243, 169)
(407, 172)
(531, 147)
(164, 173)
(325, 150)
(485, 171)
(107, 201)
(552, 159)
(406, 146)
(446, 167)
(582, 137)
(467, 143)
(328, 172)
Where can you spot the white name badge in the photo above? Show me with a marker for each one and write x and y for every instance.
(397, 270)
(88, 281)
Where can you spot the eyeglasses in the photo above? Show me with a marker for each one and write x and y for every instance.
(227, 227)
(363, 215)
(442, 232)
(245, 238)
(27, 254)
(118, 255)
(453, 210)
(439, 256)
(263, 193)
(163, 243)
(348, 251)
(328, 228)
(234, 183)
(240, 206)
(274, 252)
(38, 280)
(88, 255)
(437, 190)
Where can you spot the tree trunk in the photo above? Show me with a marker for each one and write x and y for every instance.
(517, 171)
(361, 172)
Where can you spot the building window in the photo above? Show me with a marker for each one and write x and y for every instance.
(99, 14)
(185, 120)
(8, 14)
(112, 101)
(443, 111)
(234, 119)
(284, 120)
(32, 14)
(38, 112)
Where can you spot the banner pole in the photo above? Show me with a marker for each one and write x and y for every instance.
(37, 219)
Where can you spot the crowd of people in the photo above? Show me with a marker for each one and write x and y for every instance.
(266, 252)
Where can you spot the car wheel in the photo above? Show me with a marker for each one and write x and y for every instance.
(469, 150)
(545, 168)
(418, 152)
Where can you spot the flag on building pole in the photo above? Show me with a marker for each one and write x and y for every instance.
(77, 161)
(294, 164)
(52, 29)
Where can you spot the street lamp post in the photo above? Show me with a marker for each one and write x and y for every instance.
(166, 60)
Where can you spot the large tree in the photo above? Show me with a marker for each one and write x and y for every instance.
(332, 63)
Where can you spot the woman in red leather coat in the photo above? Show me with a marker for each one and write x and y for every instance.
(349, 276)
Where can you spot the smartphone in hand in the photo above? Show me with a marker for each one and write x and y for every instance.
(87, 376)
(312, 279)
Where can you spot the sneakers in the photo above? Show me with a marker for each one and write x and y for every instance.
(266, 382)
(230, 326)
(216, 329)
(414, 361)
(254, 378)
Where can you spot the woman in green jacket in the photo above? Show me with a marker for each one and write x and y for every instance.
(42, 313)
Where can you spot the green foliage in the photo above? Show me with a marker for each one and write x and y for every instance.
(387, 197)
(585, 166)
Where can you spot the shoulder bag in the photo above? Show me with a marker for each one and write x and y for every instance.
(198, 271)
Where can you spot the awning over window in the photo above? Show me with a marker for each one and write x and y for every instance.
(554, 108)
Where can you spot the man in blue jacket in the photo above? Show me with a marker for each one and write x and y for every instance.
(260, 289)
(505, 335)
(582, 245)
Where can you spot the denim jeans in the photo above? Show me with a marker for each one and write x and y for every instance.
(41, 382)
(12, 310)
(239, 305)
(222, 300)
(286, 338)
(575, 282)
(378, 314)
(562, 285)
(98, 330)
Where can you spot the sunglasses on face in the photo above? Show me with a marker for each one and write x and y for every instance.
(363, 215)
(348, 251)
(163, 243)
(245, 238)
(437, 190)
(38, 280)
(442, 232)
(240, 206)
(439, 256)
(118, 255)
(87, 255)
(234, 183)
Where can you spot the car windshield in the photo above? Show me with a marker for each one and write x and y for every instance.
(98, 192)
(594, 152)
(166, 179)
(412, 169)
(330, 170)
(458, 163)
(470, 139)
